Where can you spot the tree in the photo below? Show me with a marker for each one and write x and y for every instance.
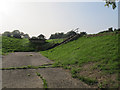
(107, 31)
(7, 33)
(16, 34)
(57, 35)
(71, 33)
(26, 36)
(111, 2)
(34, 37)
(21, 33)
(110, 29)
(41, 36)
(83, 33)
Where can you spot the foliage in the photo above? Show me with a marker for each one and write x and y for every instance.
(40, 40)
(54, 40)
(26, 36)
(83, 33)
(62, 35)
(15, 34)
(34, 37)
(71, 33)
(110, 30)
(7, 33)
(111, 2)
(57, 35)
(41, 36)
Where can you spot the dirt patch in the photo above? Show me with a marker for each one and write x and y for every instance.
(104, 80)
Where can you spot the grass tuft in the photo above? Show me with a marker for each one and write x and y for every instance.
(44, 81)
(88, 80)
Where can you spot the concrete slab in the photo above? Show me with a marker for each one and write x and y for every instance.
(21, 79)
(18, 59)
(60, 78)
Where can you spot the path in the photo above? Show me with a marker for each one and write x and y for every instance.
(27, 78)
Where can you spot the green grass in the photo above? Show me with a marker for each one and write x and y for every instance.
(54, 40)
(14, 44)
(8, 45)
(38, 74)
(28, 67)
(102, 49)
(44, 81)
(88, 80)
(0, 51)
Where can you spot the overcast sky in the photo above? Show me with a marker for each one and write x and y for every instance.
(47, 18)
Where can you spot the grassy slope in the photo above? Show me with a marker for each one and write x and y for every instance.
(13, 44)
(22, 45)
(103, 49)
(54, 40)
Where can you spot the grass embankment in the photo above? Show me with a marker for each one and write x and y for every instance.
(54, 40)
(101, 51)
(49, 43)
(15, 45)
(8, 44)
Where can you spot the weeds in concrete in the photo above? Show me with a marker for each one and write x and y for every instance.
(44, 81)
